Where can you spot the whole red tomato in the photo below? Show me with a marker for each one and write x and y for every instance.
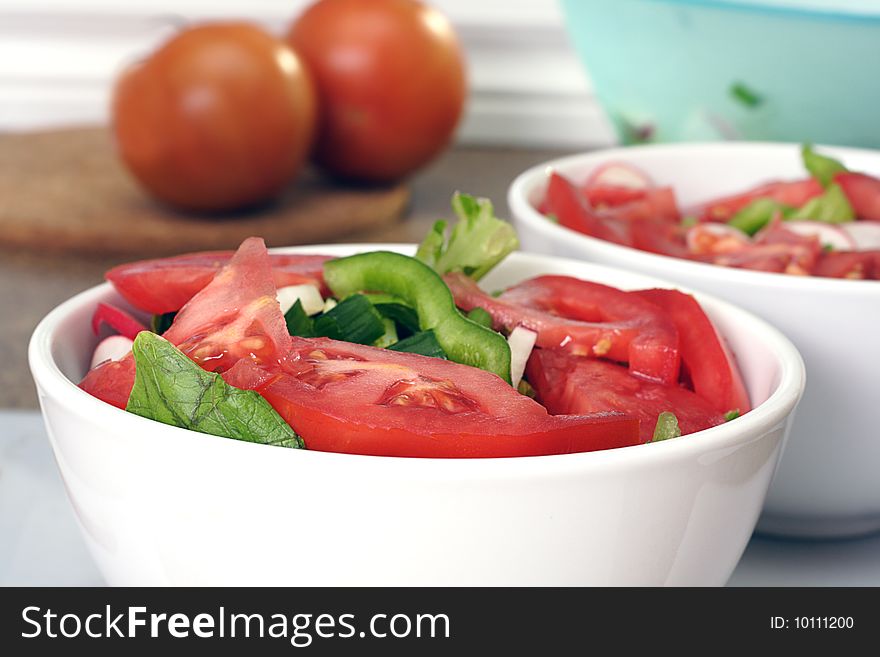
(221, 116)
(391, 83)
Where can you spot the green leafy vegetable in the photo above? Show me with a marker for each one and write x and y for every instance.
(821, 167)
(161, 323)
(525, 388)
(831, 207)
(757, 214)
(298, 322)
(171, 388)
(424, 343)
(477, 242)
(746, 96)
(354, 319)
(666, 427)
(396, 309)
(481, 317)
(732, 415)
(389, 337)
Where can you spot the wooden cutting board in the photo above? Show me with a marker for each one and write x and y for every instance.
(66, 191)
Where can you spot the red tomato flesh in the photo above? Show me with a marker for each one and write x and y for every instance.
(584, 318)
(117, 319)
(342, 397)
(164, 285)
(863, 193)
(235, 316)
(710, 366)
(567, 204)
(575, 385)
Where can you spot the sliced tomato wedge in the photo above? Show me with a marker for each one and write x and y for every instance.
(612, 196)
(565, 201)
(793, 193)
(707, 361)
(584, 318)
(342, 397)
(164, 285)
(568, 384)
(117, 319)
(856, 265)
(236, 316)
(655, 204)
(863, 193)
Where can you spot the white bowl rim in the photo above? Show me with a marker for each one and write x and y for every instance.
(528, 180)
(741, 431)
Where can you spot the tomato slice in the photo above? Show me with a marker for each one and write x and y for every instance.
(236, 316)
(584, 318)
(342, 397)
(863, 193)
(655, 204)
(612, 196)
(565, 201)
(573, 384)
(164, 285)
(117, 319)
(857, 265)
(709, 365)
(794, 193)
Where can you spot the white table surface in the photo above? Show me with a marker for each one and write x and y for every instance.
(40, 544)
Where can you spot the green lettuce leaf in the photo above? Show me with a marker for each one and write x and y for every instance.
(171, 388)
(666, 427)
(821, 167)
(477, 242)
(831, 207)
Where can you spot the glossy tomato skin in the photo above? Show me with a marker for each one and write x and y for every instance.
(164, 285)
(391, 81)
(235, 317)
(220, 117)
(583, 318)
(708, 362)
(573, 384)
(356, 399)
(863, 192)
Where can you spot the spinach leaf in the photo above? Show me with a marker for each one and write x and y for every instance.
(171, 388)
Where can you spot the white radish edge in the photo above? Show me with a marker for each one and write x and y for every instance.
(308, 295)
(521, 341)
(113, 347)
(620, 174)
(828, 234)
(864, 234)
(329, 305)
(717, 229)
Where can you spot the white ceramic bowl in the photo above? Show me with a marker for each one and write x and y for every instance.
(827, 484)
(162, 505)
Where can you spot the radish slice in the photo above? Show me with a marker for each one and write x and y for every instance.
(715, 238)
(829, 234)
(329, 305)
(521, 341)
(111, 348)
(619, 174)
(308, 295)
(117, 319)
(865, 235)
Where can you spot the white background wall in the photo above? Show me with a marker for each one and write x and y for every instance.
(58, 59)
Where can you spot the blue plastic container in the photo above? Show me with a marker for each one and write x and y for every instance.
(688, 70)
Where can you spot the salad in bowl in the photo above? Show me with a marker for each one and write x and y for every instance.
(448, 413)
(394, 355)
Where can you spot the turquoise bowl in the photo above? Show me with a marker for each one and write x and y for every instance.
(698, 70)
